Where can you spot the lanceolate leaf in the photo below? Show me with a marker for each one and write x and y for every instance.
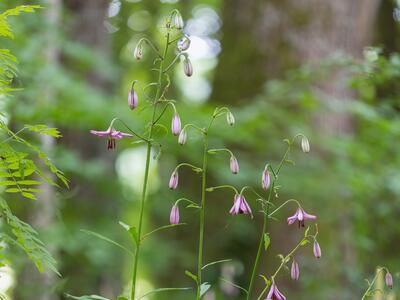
(91, 297)
(102, 237)
(163, 290)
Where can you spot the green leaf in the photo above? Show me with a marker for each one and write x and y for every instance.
(26, 238)
(191, 275)
(132, 231)
(235, 285)
(161, 228)
(91, 297)
(304, 242)
(163, 290)
(204, 287)
(122, 298)
(104, 238)
(215, 262)
(267, 241)
(44, 129)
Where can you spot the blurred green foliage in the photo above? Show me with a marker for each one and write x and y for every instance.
(351, 181)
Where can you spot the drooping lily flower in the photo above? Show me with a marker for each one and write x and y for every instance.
(173, 181)
(234, 165)
(301, 216)
(230, 118)
(112, 135)
(305, 145)
(133, 99)
(176, 124)
(389, 280)
(265, 180)
(174, 215)
(295, 270)
(317, 249)
(240, 206)
(274, 293)
(182, 137)
(187, 67)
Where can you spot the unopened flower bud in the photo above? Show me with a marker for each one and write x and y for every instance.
(182, 137)
(138, 53)
(187, 67)
(295, 270)
(230, 118)
(174, 215)
(234, 165)
(389, 280)
(178, 21)
(176, 124)
(183, 44)
(133, 99)
(265, 180)
(317, 250)
(305, 145)
(173, 181)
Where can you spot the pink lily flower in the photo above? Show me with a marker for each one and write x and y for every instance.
(240, 206)
(301, 216)
(274, 293)
(112, 135)
(174, 215)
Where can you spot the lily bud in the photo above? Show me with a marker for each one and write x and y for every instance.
(234, 165)
(182, 137)
(265, 180)
(317, 250)
(295, 270)
(174, 215)
(178, 21)
(305, 145)
(138, 52)
(183, 44)
(133, 99)
(187, 67)
(389, 280)
(230, 118)
(176, 124)
(174, 179)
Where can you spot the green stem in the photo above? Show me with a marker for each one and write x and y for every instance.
(202, 215)
(265, 227)
(146, 172)
(284, 261)
(372, 283)
(260, 245)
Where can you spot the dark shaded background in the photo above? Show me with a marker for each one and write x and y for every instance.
(283, 67)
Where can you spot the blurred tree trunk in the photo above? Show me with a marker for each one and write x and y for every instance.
(88, 28)
(263, 39)
(44, 213)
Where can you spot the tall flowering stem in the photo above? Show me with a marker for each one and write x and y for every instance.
(147, 167)
(370, 291)
(264, 230)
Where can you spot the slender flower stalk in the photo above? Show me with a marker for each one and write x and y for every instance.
(388, 280)
(265, 221)
(147, 167)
